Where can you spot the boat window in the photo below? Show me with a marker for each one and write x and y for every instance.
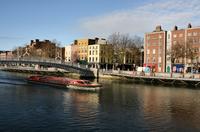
(81, 82)
(87, 82)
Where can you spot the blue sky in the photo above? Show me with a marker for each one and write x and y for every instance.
(66, 20)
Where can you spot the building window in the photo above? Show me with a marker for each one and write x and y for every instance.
(168, 36)
(159, 60)
(148, 51)
(148, 59)
(174, 35)
(189, 34)
(154, 59)
(195, 41)
(196, 50)
(90, 52)
(154, 51)
(89, 59)
(96, 59)
(194, 33)
(174, 42)
(92, 59)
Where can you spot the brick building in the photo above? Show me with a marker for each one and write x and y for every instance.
(154, 50)
(82, 48)
(46, 49)
(190, 39)
(6, 55)
(159, 42)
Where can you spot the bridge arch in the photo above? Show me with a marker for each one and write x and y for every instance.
(52, 63)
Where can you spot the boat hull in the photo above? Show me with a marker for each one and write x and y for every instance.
(47, 83)
(64, 83)
(86, 88)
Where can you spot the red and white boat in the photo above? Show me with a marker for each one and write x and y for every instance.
(65, 82)
(83, 84)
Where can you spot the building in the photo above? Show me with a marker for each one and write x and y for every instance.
(68, 53)
(176, 36)
(100, 54)
(158, 44)
(155, 50)
(46, 49)
(63, 53)
(6, 55)
(82, 48)
(190, 39)
(168, 56)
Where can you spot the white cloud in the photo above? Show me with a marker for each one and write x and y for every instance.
(143, 19)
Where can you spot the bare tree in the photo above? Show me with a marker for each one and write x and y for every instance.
(58, 49)
(191, 52)
(18, 51)
(176, 53)
(124, 45)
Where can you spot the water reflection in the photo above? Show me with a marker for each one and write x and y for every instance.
(178, 108)
(119, 106)
(81, 109)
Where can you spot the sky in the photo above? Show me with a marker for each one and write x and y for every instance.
(67, 20)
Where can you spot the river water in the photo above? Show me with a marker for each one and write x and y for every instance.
(119, 106)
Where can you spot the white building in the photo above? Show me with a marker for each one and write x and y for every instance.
(68, 53)
(168, 57)
(100, 53)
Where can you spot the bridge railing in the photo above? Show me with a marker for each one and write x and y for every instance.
(47, 60)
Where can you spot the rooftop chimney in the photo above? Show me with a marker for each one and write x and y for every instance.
(37, 40)
(96, 40)
(175, 28)
(189, 25)
(47, 41)
(158, 28)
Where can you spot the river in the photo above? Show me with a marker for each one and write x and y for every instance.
(120, 106)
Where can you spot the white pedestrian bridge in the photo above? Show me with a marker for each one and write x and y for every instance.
(83, 70)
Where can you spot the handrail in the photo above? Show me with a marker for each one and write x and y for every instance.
(45, 60)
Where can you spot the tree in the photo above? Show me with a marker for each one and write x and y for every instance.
(190, 52)
(176, 53)
(18, 51)
(58, 49)
(181, 51)
(124, 44)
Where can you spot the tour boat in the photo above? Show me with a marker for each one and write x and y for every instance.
(49, 80)
(83, 85)
(65, 82)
